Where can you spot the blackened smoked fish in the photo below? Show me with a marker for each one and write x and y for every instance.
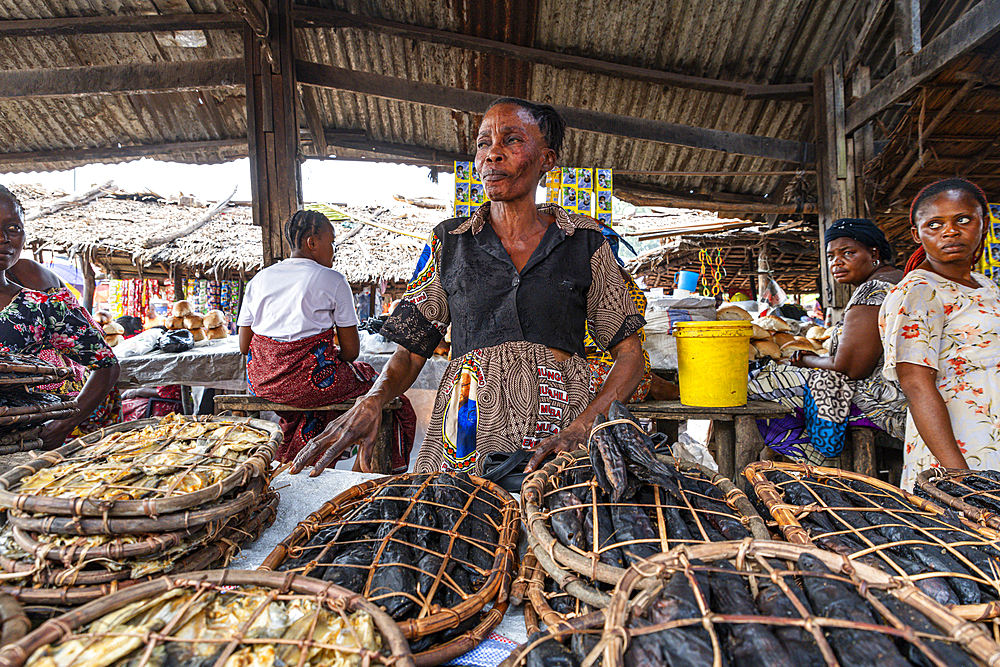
(549, 653)
(798, 642)
(631, 525)
(565, 516)
(749, 644)
(835, 599)
(607, 459)
(948, 653)
(393, 577)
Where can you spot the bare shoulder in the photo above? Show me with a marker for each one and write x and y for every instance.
(29, 273)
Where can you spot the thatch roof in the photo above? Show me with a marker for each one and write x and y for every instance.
(793, 257)
(110, 231)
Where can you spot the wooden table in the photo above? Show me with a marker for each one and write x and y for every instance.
(242, 404)
(738, 441)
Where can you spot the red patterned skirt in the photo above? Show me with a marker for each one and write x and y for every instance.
(308, 373)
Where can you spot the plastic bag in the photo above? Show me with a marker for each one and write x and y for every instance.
(142, 343)
(688, 449)
(772, 294)
(179, 340)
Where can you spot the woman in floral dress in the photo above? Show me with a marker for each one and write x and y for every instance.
(941, 329)
(32, 321)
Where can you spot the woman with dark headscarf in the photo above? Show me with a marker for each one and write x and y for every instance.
(827, 393)
(941, 327)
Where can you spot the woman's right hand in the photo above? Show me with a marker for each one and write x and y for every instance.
(359, 425)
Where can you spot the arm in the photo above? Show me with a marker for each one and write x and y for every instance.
(360, 424)
(246, 335)
(141, 392)
(620, 384)
(930, 414)
(98, 386)
(859, 348)
(350, 343)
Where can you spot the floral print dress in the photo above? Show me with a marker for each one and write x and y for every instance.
(931, 321)
(37, 322)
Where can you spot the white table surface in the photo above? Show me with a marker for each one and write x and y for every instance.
(301, 495)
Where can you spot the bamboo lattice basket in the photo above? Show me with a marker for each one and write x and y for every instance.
(190, 594)
(975, 494)
(235, 503)
(931, 548)
(386, 523)
(14, 623)
(545, 604)
(28, 365)
(216, 553)
(712, 619)
(25, 417)
(89, 455)
(23, 440)
(573, 472)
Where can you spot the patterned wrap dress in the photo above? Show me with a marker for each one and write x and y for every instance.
(824, 402)
(504, 389)
(931, 321)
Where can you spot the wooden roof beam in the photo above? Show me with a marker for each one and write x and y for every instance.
(98, 25)
(642, 195)
(318, 17)
(26, 159)
(856, 49)
(120, 79)
(377, 85)
(970, 30)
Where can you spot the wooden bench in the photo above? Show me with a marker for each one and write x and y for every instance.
(244, 404)
(868, 451)
(737, 440)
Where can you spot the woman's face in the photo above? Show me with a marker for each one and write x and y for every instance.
(511, 153)
(323, 246)
(949, 226)
(11, 233)
(851, 263)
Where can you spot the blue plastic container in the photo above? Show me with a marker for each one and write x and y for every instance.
(687, 280)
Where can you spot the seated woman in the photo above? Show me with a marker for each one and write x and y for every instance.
(941, 328)
(827, 393)
(299, 330)
(32, 321)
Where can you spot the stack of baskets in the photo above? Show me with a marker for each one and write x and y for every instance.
(23, 410)
(436, 551)
(131, 502)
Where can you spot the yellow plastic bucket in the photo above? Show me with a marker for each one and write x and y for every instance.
(712, 363)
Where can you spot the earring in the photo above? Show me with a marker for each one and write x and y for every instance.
(874, 262)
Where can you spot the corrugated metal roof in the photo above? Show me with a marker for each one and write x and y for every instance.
(753, 41)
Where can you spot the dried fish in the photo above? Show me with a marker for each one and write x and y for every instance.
(611, 457)
(565, 516)
(800, 644)
(749, 644)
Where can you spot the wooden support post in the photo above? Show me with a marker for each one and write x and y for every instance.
(832, 172)
(907, 29)
(864, 142)
(89, 282)
(177, 278)
(272, 129)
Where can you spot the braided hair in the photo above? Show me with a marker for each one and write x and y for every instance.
(936, 188)
(303, 224)
(18, 208)
(550, 123)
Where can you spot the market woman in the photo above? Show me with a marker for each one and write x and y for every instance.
(517, 282)
(941, 327)
(827, 393)
(31, 321)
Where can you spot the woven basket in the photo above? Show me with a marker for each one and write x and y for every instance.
(234, 504)
(280, 587)
(758, 562)
(540, 600)
(973, 503)
(26, 364)
(21, 440)
(83, 451)
(560, 561)
(429, 617)
(42, 413)
(788, 518)
(14, 624)
(217, 553)
(59, 406)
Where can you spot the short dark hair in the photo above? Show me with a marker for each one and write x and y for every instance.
(18, 208)
(303, 224)
(550, 123)
(946, 185)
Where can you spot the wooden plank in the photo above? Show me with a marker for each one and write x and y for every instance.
(120, 79)
(377, 85)
(97, 25)
(310, 106)
(856, 49)
(646, 196)
(318, 17)
(235, 147)
(907, 39)
(970, 30)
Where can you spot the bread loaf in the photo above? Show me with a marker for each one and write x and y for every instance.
(198, 334)
(772, 323)
(113, 339)
(194, 321)
(181, 309)
(215, 333)
(731, 312)
(112, 328)
(214, 318)
(767, 348)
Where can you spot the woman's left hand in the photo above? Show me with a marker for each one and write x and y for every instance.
(55, 433)
(569, 439)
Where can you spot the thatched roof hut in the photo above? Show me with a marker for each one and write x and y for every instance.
(113, 230)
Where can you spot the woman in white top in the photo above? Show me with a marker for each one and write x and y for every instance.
(299, 330)
(941, 327)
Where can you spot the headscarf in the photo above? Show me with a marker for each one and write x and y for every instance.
(935, 188)
(864, 232)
